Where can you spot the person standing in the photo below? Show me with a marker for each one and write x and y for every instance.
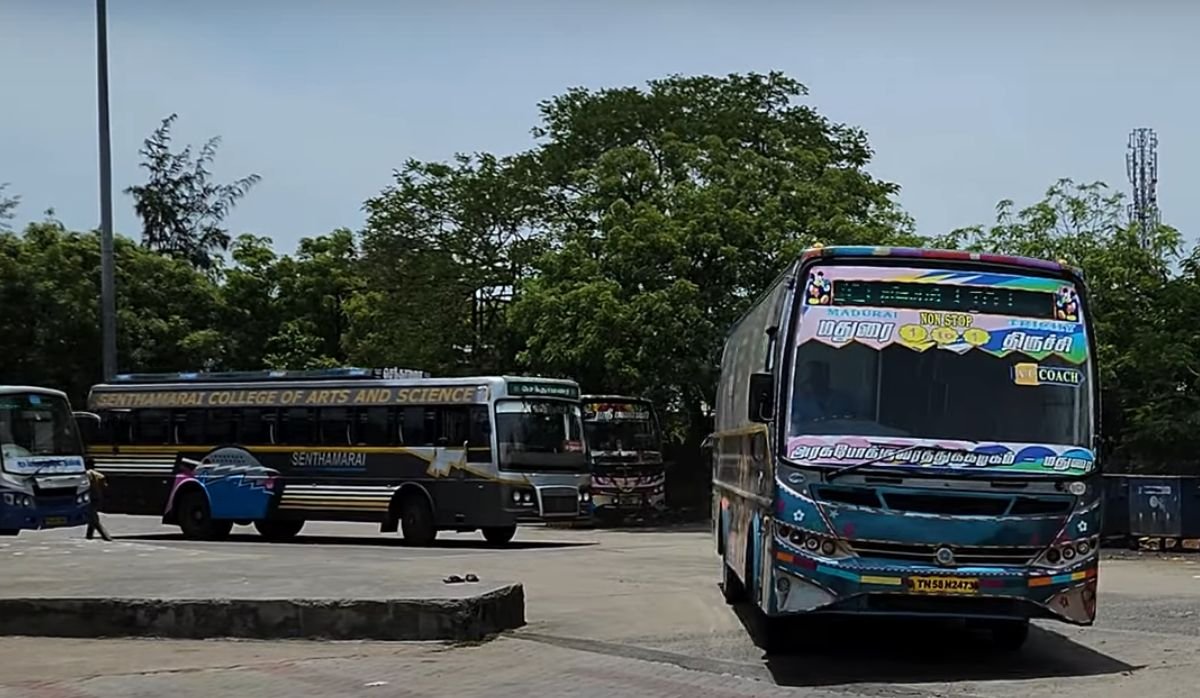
(96, 482)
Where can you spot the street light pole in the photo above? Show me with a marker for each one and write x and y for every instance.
(108, 296)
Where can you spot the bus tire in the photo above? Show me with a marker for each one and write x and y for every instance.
(416, 520)
(499, 535)
(1009, 635)
(279, 530)
(195, 518)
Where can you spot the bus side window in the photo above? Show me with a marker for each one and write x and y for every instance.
(297, 427)
(151, 427)
(373, 423)
(479, 438)
(256, 427)
(189, 427)
(221, 428)
(481, 427)
(412, 427)
(119, 426)
(453, 426)
(334, 426)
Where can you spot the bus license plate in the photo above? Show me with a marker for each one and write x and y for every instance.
(943, 585)
(55, 521)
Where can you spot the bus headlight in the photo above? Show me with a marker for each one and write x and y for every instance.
(814, 544)
(16, 499)
(1068, 552)
(585, 495)
(516, 496)
(83, 498)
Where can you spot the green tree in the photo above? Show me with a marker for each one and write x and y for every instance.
(250, 308)
(1143, 301)
(315, 290)
(451, 237)
(166, 309)
(8, 204)
(671, 209)
(180, 206)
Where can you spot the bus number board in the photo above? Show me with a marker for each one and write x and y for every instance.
(944, 297)
(543, 390)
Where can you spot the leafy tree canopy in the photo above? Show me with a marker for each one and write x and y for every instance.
(180, 206)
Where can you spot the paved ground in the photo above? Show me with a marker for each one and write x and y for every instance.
(610, 613)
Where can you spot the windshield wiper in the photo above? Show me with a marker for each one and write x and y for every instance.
(851, 468)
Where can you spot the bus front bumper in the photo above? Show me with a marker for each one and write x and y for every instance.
(801, 585)
(635, 500)
(42, 516)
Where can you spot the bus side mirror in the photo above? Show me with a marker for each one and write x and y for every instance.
(88, 425)
(761, 402)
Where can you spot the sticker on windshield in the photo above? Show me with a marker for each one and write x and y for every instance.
(1066, 304)
(1034, 374)
(1017, 457)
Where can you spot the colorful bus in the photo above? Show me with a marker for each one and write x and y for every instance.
(43, 482)
(911, 432)
(278, 448)
(625, 448)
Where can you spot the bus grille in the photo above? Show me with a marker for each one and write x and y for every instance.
(55, 493)
(945, 504)
(560, 502)
(963, 554)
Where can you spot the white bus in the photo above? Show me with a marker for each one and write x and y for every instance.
(278, 448)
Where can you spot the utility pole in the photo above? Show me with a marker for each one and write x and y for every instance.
(108, 292)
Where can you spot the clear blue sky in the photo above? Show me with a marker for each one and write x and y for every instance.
(964, 104)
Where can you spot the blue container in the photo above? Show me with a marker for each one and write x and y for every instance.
(1116, 507)
(1164, 507)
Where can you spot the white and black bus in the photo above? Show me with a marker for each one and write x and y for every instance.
(278, 448)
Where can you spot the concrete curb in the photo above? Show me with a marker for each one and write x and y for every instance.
(463, 619)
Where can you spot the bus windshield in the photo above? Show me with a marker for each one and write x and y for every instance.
(539, 434)
(34, 429)
(619, 436)
(615, 426)
(977, 369)
(897, 392)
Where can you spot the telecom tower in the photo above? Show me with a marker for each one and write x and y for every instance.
(1141, 164)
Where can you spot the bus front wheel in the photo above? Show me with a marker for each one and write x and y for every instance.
(279, 530)
(416, 520)
(499, 535)
(195, 518)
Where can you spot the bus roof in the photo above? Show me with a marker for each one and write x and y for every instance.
(940, 254)
(316, 377)
(17, 389)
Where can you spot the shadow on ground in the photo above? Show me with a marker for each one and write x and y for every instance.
(835, 651)
(659, 527)
(364, 541)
